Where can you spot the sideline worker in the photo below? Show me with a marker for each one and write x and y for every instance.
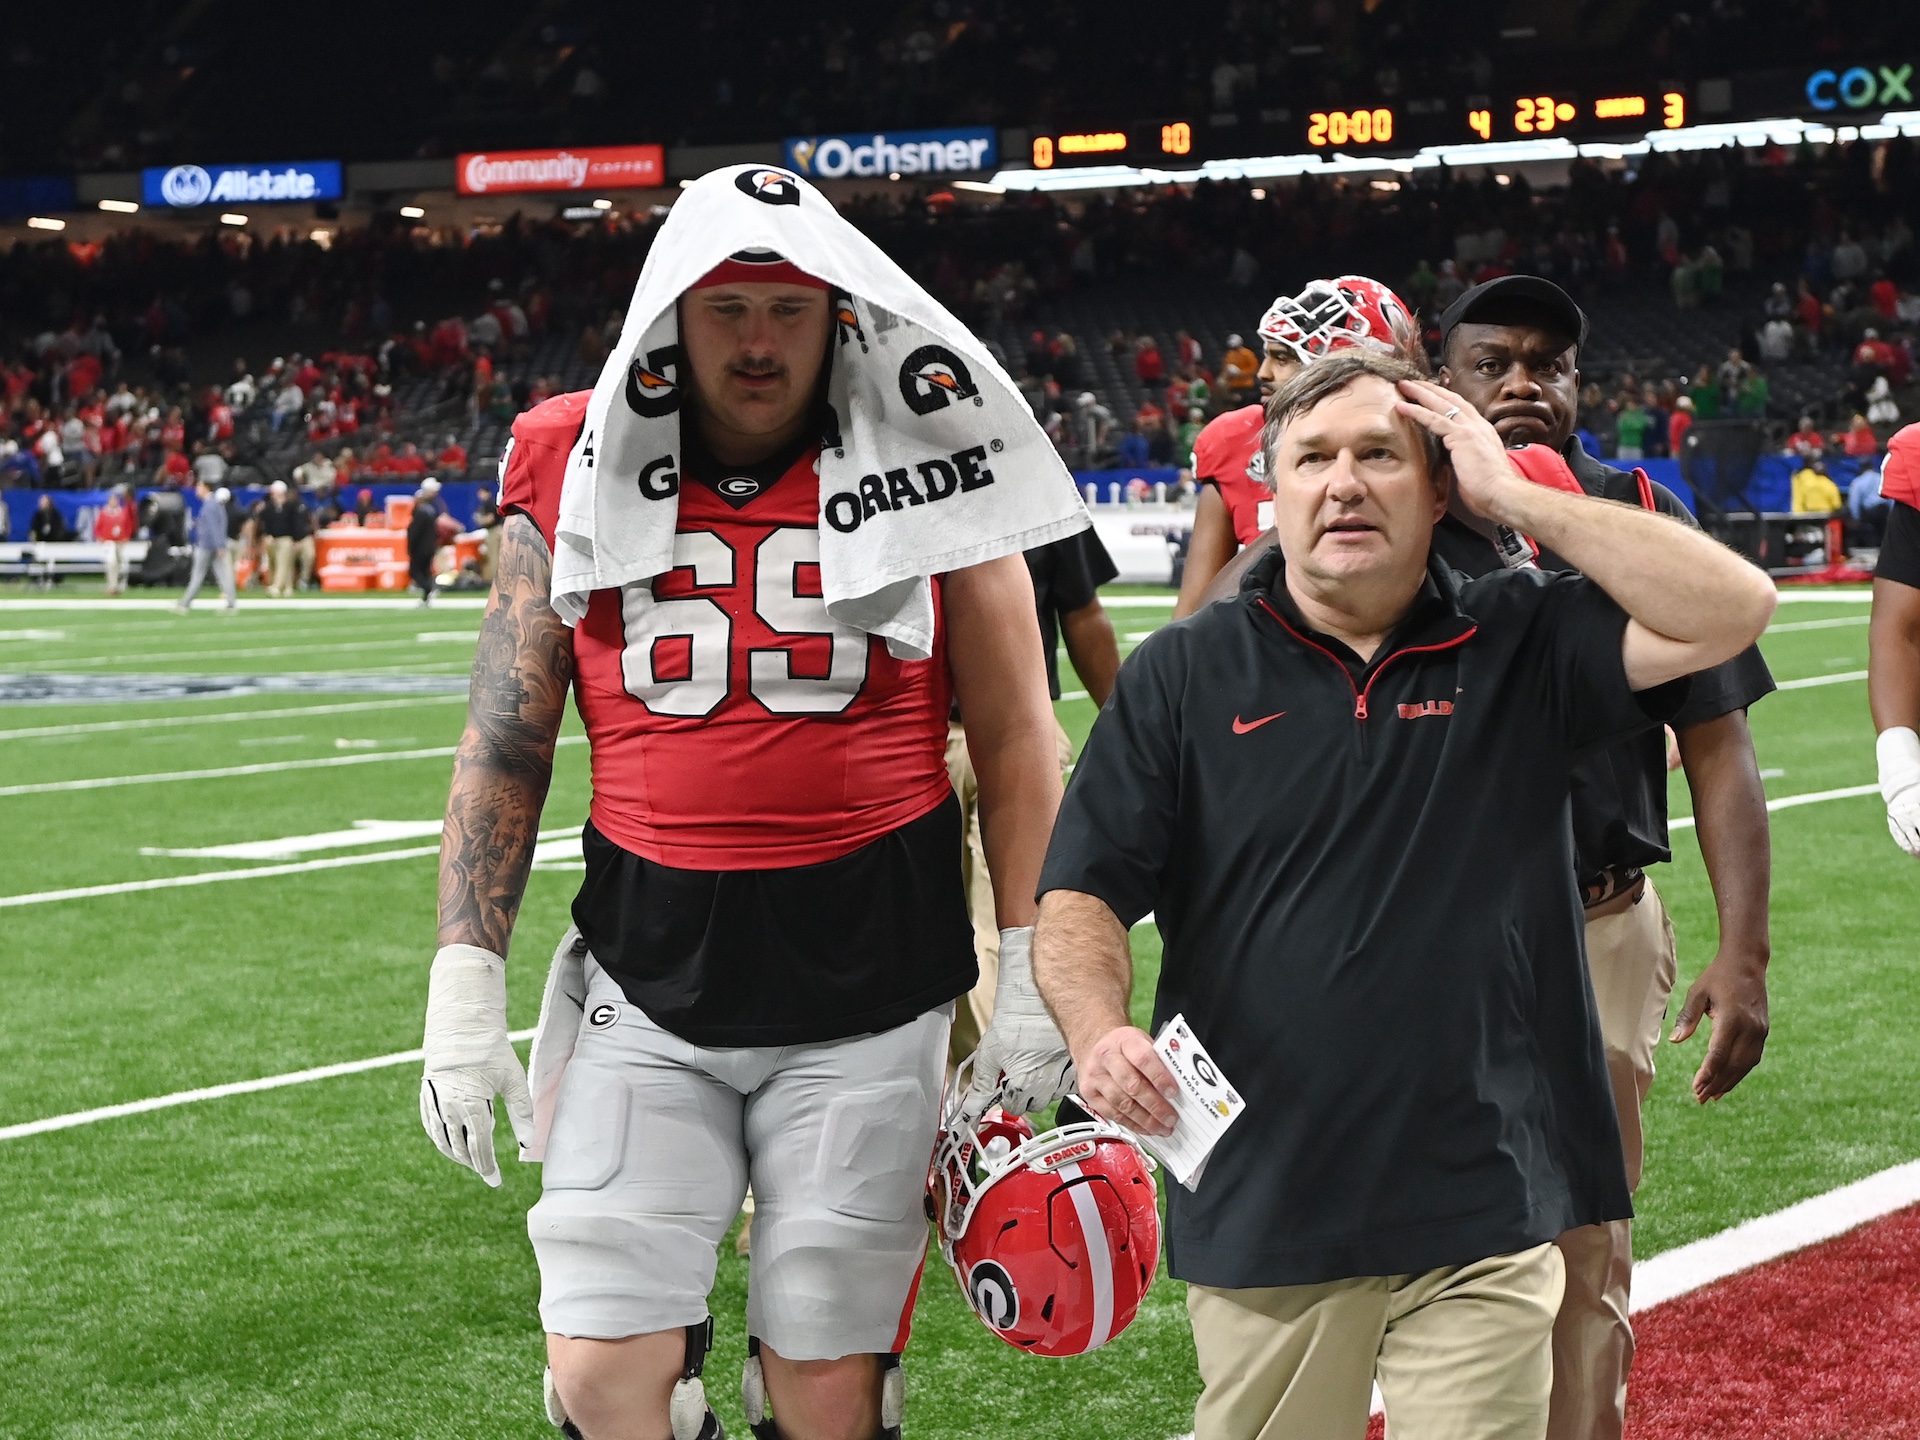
(1893, 643)
(1510, 348)
(1344, 796)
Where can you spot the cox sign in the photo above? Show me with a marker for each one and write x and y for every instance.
(1860, 87)
(184, 186)
(902, 152)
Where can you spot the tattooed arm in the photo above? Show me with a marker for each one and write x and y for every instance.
(521, 673)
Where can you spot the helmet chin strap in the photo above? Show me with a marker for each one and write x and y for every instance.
(753, 1395)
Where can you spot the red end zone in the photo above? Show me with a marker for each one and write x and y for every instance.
(1823, 1344)
(1820, 1345)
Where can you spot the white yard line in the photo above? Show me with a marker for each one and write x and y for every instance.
(1692, 1267)
(252, 652)
(111, 782)
(226, 717)
(252, 872)
(213, 877)
(219, 1092)
(1802, 596)
(1788, 802)
(1832, 624)
(1841, 678)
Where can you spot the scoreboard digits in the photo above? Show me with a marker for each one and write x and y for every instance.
(1539, 114)
(1595, 116)
(1350, 127)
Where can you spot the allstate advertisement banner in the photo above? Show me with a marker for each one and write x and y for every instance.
(604, 167)
(284, 182)
(897, 152)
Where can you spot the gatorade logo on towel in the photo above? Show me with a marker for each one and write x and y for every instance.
(770, 187)
(933, 377)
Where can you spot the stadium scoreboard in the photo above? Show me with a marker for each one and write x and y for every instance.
(1538, 108)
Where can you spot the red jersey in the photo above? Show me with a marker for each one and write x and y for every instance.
(1226, 455)
(733, 724)
(113, 522)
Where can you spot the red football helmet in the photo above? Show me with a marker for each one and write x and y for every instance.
(1344, 313)
(1054, 1238)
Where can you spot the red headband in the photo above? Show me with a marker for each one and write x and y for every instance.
(772, 271)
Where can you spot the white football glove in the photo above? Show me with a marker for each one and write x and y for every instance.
(1898, 751)
(1022, 1061)
(469, 1059)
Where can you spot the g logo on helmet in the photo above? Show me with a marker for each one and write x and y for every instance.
(186, 185)
(990, 1291)
(769, 186)
(933, 377)
(653, 384)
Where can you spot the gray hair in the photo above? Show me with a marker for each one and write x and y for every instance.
(1326, 378)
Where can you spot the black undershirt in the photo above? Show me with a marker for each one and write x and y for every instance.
(795, 956)
(1900, 549)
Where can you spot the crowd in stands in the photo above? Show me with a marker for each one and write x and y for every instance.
(165, 80)
(1813, 253)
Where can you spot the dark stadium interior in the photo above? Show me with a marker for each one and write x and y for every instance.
(166, 79)
(1675, 254)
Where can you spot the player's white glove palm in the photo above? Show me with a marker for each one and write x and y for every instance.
(469, 1059)
(1898, 751)
(1022, 1060)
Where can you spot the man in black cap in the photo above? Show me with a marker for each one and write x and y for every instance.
(1510, 348)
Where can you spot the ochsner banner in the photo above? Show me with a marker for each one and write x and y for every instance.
(184, 186)
(899, 152)
(606, 167)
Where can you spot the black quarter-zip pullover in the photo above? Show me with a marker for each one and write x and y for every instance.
(1363, 875)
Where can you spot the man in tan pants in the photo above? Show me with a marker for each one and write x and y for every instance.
(1343, 794)
(1067, 576)
(280, 528)
(1511, 350)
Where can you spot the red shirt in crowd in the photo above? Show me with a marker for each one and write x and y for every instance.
(113, 522)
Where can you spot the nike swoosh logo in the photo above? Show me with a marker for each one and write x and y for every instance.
(1242, 727)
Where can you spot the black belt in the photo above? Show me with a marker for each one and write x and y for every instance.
(1601, 887)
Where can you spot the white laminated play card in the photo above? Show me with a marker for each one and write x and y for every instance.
(1206, 1105)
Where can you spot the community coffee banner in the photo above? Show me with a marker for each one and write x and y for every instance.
(607, 167)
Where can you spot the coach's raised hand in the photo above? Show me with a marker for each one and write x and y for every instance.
(469, 1059)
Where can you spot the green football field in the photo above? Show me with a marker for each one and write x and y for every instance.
(300, 1261)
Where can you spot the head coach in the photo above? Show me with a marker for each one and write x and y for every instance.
(1510, 349)
(1344, 794)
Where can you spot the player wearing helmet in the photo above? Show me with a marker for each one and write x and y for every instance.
(1236, 502)
(770, 932)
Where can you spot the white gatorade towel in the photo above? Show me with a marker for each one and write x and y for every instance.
(938, 462)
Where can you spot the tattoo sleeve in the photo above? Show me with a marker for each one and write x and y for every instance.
(521, 674)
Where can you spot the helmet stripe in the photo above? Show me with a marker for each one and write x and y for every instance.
(1099, 1257)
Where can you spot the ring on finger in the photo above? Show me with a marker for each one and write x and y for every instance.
(1453, 414)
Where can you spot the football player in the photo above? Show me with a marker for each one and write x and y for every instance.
(1893, 643)
(1236, 502)
(771, 919)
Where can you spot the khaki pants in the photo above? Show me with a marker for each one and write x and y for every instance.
(116, 561)
(1462, 1353)
(1631, 957)
(303, 556)
(280, 547)
(972, 1015)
